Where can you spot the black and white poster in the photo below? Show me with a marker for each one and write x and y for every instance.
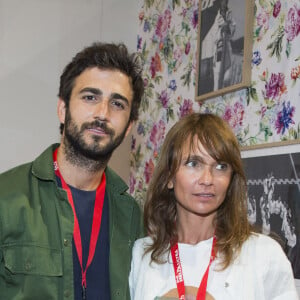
(224, 45)
(274, 200)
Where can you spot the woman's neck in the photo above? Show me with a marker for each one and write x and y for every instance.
(195, 229)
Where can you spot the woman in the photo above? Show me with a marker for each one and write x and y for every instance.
(200, 243)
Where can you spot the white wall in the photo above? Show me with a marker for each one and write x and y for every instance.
(37, 39)
(120, 23)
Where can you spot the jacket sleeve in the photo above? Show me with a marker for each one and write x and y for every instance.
(139, 222)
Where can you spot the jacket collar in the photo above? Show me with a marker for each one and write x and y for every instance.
(114, 182)
(42, 166)
(43, 169)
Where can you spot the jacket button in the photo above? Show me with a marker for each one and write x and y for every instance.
(66, 242)
(67, 293)
(28, 266)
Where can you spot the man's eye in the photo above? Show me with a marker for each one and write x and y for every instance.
(118, 104)
(89, 97)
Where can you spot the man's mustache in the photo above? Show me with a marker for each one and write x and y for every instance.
(98, 124)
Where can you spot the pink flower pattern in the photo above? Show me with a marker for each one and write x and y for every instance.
(234, 115)
(292, 25)
(163, 24)
(149, 168)
(276, 9)
(263, 19)
(157, 134)
(168, 43)
(186, 108)
(275, 86)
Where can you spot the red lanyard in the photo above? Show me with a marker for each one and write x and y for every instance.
(179, 275)
(100, 192)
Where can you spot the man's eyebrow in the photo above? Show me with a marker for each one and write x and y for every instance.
(98, 92)
(92, 90)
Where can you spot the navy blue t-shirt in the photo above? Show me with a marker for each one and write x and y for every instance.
(97, 276)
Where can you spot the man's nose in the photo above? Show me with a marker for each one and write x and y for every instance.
(102, 110)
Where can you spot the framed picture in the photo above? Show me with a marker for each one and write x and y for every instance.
(273, 183)
(224, 47)
(271, 144)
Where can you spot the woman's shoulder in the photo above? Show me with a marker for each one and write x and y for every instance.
(264, 253)
(263, 264)
(261, 240)
(262, 246)
(142, 243)
(140, 246)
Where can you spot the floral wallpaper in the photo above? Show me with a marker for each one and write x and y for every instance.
(266, 112)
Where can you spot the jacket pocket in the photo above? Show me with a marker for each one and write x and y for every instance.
(32, 260)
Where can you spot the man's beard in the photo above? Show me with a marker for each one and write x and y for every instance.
(90, 156)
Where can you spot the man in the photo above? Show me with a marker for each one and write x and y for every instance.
(67, 225)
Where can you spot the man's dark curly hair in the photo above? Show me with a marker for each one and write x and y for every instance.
(107, 56)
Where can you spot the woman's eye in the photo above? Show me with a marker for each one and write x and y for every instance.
(221, 166)
(191, 163)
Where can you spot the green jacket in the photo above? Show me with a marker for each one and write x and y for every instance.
(36, 228)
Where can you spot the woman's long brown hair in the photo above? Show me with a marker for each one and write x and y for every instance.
(232, 226)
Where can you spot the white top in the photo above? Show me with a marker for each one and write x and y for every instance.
(261, 272)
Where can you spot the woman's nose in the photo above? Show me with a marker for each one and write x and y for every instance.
(206, 175)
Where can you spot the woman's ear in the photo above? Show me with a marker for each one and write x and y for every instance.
(170, 185)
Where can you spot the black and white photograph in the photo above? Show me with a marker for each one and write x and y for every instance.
(223, 46)
(274, 200)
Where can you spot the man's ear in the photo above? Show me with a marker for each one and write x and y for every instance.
(61, 110)
(129, 128)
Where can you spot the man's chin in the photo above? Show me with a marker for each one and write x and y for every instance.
(93, 140)
(97, 151)
(96, 142)
(96, 155)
